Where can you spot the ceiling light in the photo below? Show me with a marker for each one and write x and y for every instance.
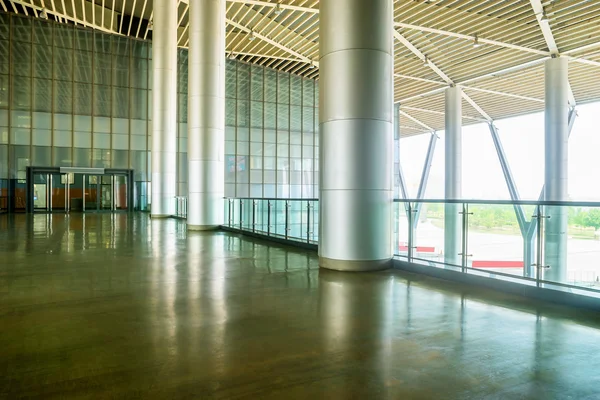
(231, 55)
(278, 9)
(44, 14)
(476, 43)
(312, 65)
(544, 16)
(251, 37)
(425, 61)
(150, 25)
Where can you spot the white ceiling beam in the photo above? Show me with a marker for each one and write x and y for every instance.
(495, 92)
(476, 107)
(274, 5)
(505, 71)
(538, 9)
(64, 16)
(414, 78)
(582, 48)
(301, 57)
(424, 125)
(438, 71)
(425, 110)
(422, 56)
(471, 38)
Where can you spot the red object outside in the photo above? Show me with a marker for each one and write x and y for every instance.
(419, 249)
(497, 264)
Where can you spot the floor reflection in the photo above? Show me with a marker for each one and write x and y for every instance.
(119, 305)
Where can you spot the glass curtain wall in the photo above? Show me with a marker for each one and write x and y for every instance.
(70, 97)
(271, 132)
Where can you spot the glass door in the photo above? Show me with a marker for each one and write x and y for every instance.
(76, 192)
(106, 193)
(41, 192)
(91, 192)
(120, 192)
(59, 192)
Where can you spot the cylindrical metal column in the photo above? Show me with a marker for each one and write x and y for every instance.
(164, 107)
(453, 150)
(206, 114)
(356, 134)
(556, 170)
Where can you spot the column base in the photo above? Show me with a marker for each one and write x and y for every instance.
(160, 216)
(202, 227)
(355, 266)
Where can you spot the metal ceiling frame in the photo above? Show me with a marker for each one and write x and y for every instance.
(286, 33)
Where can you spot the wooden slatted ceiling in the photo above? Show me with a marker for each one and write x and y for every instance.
(287, 39)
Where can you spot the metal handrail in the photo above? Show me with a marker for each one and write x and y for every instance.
(271, 198)
(516, 277)
(502, 202)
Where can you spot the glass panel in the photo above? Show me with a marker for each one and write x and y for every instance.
(297, 219)
(42, 99)
(495, 243)
(257, 83)
(247, 210)
(261, 219)
(42, 65)
(59, 192)
(62, 156)
(76, 192)
(21, 87)
(41, 190)
(91, 193)
(83, 99)
(83, 66)
(283, 88)
(102, 101)
(63, 97)
(120, 71)
(243, 81)
(63, 63)
(278, 211)
(63, 36)
(120, 102)
(106, 192)
(429, 232)
(120, 192)
(3, 90)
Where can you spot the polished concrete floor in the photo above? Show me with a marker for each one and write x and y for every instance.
(121, 306)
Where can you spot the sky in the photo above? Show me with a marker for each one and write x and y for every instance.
(523, 141)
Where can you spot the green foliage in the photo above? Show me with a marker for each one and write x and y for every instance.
(586, 218)
(501, 216)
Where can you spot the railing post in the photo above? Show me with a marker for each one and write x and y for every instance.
(308, 221)
(287, 219)
(410, 233)
(539, 262)
(253, 215)
(465, 237)
(268, 217)
(229, 211)
(241, 214)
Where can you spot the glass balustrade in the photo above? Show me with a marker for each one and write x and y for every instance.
(546, 244)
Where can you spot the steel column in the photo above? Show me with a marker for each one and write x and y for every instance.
(425, 177)
(556, 169)
(164, 106)
(453, 152)
(401, 180)
(356, 123)
(206, 114)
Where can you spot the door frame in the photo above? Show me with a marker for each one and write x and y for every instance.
(30, 171)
